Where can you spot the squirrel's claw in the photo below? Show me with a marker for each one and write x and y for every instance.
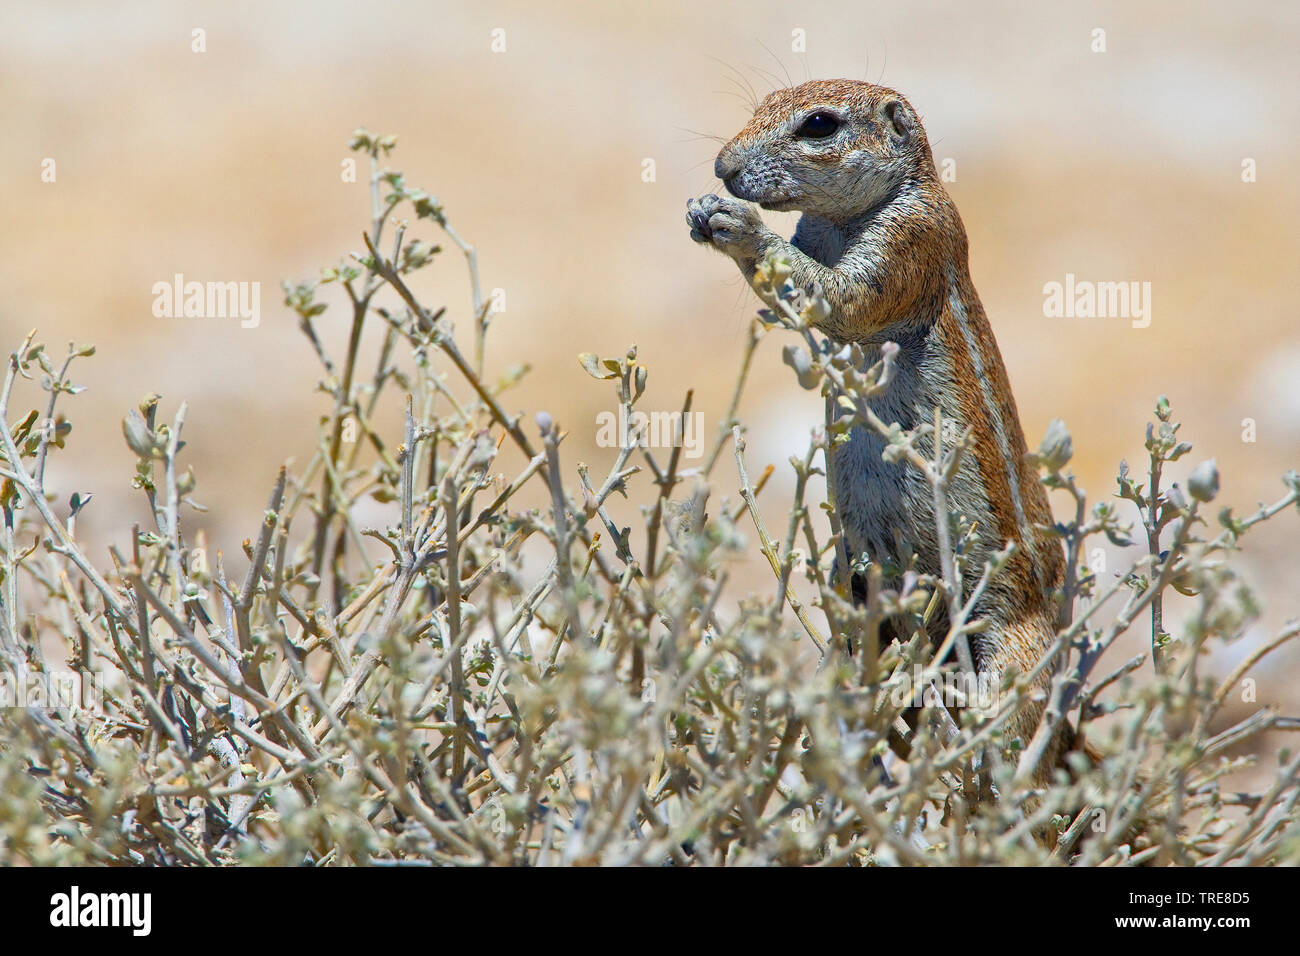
(698, 212)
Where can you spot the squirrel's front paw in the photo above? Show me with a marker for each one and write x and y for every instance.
(698, 212)
(729, 225)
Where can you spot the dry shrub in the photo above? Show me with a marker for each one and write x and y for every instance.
(596, 696)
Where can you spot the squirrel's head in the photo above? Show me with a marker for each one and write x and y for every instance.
(834, 148)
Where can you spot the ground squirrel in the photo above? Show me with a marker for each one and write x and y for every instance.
(883, 241)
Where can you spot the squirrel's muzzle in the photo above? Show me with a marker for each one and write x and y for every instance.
(729, 167)
(726, 165)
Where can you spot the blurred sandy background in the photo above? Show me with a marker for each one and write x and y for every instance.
(224, 165)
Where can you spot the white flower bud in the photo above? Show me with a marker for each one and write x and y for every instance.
(1203, 482)
(1057, 448)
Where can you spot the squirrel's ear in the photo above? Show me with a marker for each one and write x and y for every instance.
(900, 121)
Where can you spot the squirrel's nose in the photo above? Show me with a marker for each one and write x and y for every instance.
(725, 166)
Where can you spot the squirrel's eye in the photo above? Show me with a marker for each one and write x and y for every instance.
(818, 126)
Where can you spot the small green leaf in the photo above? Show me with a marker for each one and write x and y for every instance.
(138, 436)
(591, 362)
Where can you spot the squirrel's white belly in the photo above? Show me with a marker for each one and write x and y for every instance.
(886, 508)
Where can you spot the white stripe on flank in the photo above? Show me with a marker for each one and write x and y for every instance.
(995, 414)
